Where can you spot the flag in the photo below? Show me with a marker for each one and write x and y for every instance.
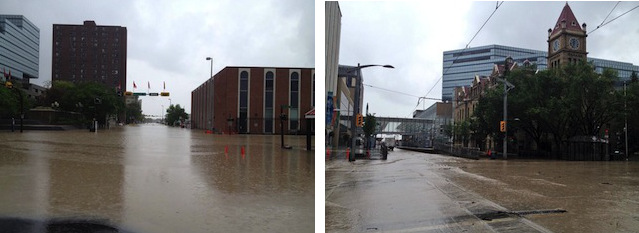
(148, 84)
(134, 86)
(164, 83)
(9, 75)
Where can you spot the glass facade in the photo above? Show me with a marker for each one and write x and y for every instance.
(460, 66)
(19, 47)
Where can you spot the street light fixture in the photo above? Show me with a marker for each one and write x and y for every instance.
(212, 94)
(358, 82)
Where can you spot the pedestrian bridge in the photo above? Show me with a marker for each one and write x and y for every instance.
(402, 126)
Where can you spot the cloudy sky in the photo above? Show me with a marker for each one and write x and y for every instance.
(168, 41)
(412, 36)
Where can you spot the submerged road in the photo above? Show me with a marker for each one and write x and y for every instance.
(153, 178)
(419, 192)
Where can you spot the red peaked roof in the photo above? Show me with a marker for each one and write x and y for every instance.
(569, 17)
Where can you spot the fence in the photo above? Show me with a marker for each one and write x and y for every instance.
(458, 151)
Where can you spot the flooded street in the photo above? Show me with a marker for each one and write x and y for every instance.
(152, 178)
(419, 192)
(598, 196)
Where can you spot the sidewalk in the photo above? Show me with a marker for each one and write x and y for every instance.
(406, 194)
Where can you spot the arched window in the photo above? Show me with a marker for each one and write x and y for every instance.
(294, 101)
(244, 84)
(268, 102)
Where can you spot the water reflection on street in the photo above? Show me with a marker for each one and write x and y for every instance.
(151, 178)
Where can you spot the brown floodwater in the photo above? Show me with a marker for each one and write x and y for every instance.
(597, 196)
(152, 178)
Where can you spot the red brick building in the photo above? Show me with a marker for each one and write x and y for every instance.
(89, 52)
(250, 99)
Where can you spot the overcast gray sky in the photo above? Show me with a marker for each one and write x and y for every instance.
(169, 40)
(412, 36)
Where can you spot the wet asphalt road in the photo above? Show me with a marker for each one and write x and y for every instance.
(419, 192)
(152, 178)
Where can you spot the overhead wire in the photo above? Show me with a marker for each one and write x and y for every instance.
(604, 20)
(389, 90)
(604, 24)
(467, 46)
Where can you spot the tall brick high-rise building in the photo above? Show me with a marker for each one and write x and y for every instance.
(90, 53)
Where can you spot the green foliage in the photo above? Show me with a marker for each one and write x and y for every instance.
(92, 100)
(552, 104)
(175, 113)
(10, 101)
(462, 131)
(134, 112)
(369, 125)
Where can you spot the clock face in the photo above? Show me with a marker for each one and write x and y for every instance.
(555, 45)
(574, 43)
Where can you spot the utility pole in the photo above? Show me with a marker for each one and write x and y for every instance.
(625, 128)
(509, 60)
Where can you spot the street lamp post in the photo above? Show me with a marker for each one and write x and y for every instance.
(212, 94)
(358, 82)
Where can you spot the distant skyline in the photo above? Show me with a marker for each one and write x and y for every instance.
(412, 36)
(168, 41)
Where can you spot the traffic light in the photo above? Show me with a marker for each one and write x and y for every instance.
(164, 93)
(502, 126)
(128, 93)
(359, 120)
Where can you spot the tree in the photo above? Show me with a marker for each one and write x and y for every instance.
(369, 127)
(92, 100)
(633, 77)
(554, 104)
(10, 101)
(134, 112)
(175, 113)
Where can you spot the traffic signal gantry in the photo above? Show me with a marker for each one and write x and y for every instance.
(128, 93)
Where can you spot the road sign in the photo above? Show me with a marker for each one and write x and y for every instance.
(153, 94)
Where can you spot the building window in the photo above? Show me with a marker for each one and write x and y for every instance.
(244, 83)
(268, 102)
(294, 101)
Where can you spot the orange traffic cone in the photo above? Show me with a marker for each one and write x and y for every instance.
(328, 153)
(242, 150)
(348, 152)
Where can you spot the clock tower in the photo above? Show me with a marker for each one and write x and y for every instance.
(567, 40)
